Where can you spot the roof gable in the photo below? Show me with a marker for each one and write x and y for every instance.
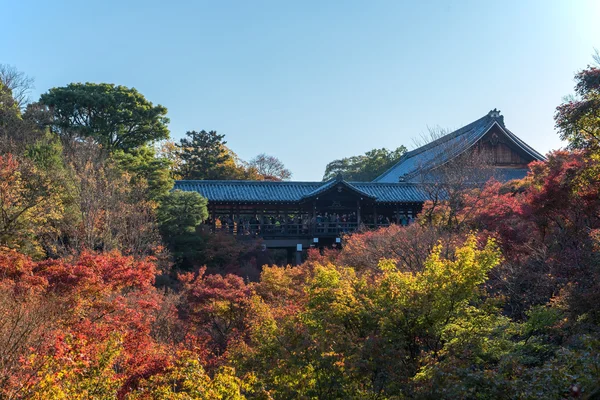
(339, 182)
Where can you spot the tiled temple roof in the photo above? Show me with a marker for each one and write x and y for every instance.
(340, 181)
(451, 145)
(397, 185)
(249, 191)
(282, 192)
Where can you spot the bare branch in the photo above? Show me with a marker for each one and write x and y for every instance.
(433, 133)
(19, 83)
(451, 168)
(270, 167)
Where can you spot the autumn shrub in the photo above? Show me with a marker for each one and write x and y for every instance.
(408, 246)
(354, 334)
(75, 317)
(546, 232)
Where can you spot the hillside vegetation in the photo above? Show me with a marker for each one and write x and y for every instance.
(111, 288)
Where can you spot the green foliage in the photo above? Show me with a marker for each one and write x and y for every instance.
(364, 336)
(29, 202)
(578, 118)
(187, 380)
(46, 153)
(16, 131)
(203, 155)
(182, 212)
(496, 358)
(116, 117)
(144, 164)
(179, 216)
(9, 109)
(364, 168)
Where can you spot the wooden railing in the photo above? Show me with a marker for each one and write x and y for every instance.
(295, 230)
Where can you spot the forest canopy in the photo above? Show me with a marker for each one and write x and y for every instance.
(112, 286)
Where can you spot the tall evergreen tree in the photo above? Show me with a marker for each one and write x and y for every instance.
(204, 155)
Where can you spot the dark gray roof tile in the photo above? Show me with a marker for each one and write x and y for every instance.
(449, 146)
(269, 191)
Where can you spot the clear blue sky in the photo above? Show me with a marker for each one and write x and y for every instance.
(312, 81)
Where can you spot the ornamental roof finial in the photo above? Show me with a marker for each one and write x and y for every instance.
(495, 113)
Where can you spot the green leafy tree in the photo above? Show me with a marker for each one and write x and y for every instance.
(182, 212)
(179, 216)
(144, 164)
(203, 155)
(46, 153)
(9, 109)
(578, 119)
(187, 380)
(16, 132)
(29, 202)
(363, 335)
(116, 117)
(366, 167)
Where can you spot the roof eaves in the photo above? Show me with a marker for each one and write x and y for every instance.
(524, 146)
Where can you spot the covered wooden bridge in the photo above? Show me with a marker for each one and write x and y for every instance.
(295, 215)
(286, 214)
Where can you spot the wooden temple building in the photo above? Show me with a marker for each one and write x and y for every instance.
(296, 215)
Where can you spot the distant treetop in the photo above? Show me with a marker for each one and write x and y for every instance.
(366, 167)
(116, 117)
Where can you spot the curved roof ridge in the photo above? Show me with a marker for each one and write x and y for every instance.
(330, 183)
(395, 184)
(452, 152)
(479, 126)
(447, 137)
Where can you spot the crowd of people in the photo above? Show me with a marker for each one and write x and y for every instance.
(320, 223)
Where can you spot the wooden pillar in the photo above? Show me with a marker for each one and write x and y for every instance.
(357, 213)
(237, 221)
(313, 228)
(261, 220)
(213, 212)
(374, 215)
